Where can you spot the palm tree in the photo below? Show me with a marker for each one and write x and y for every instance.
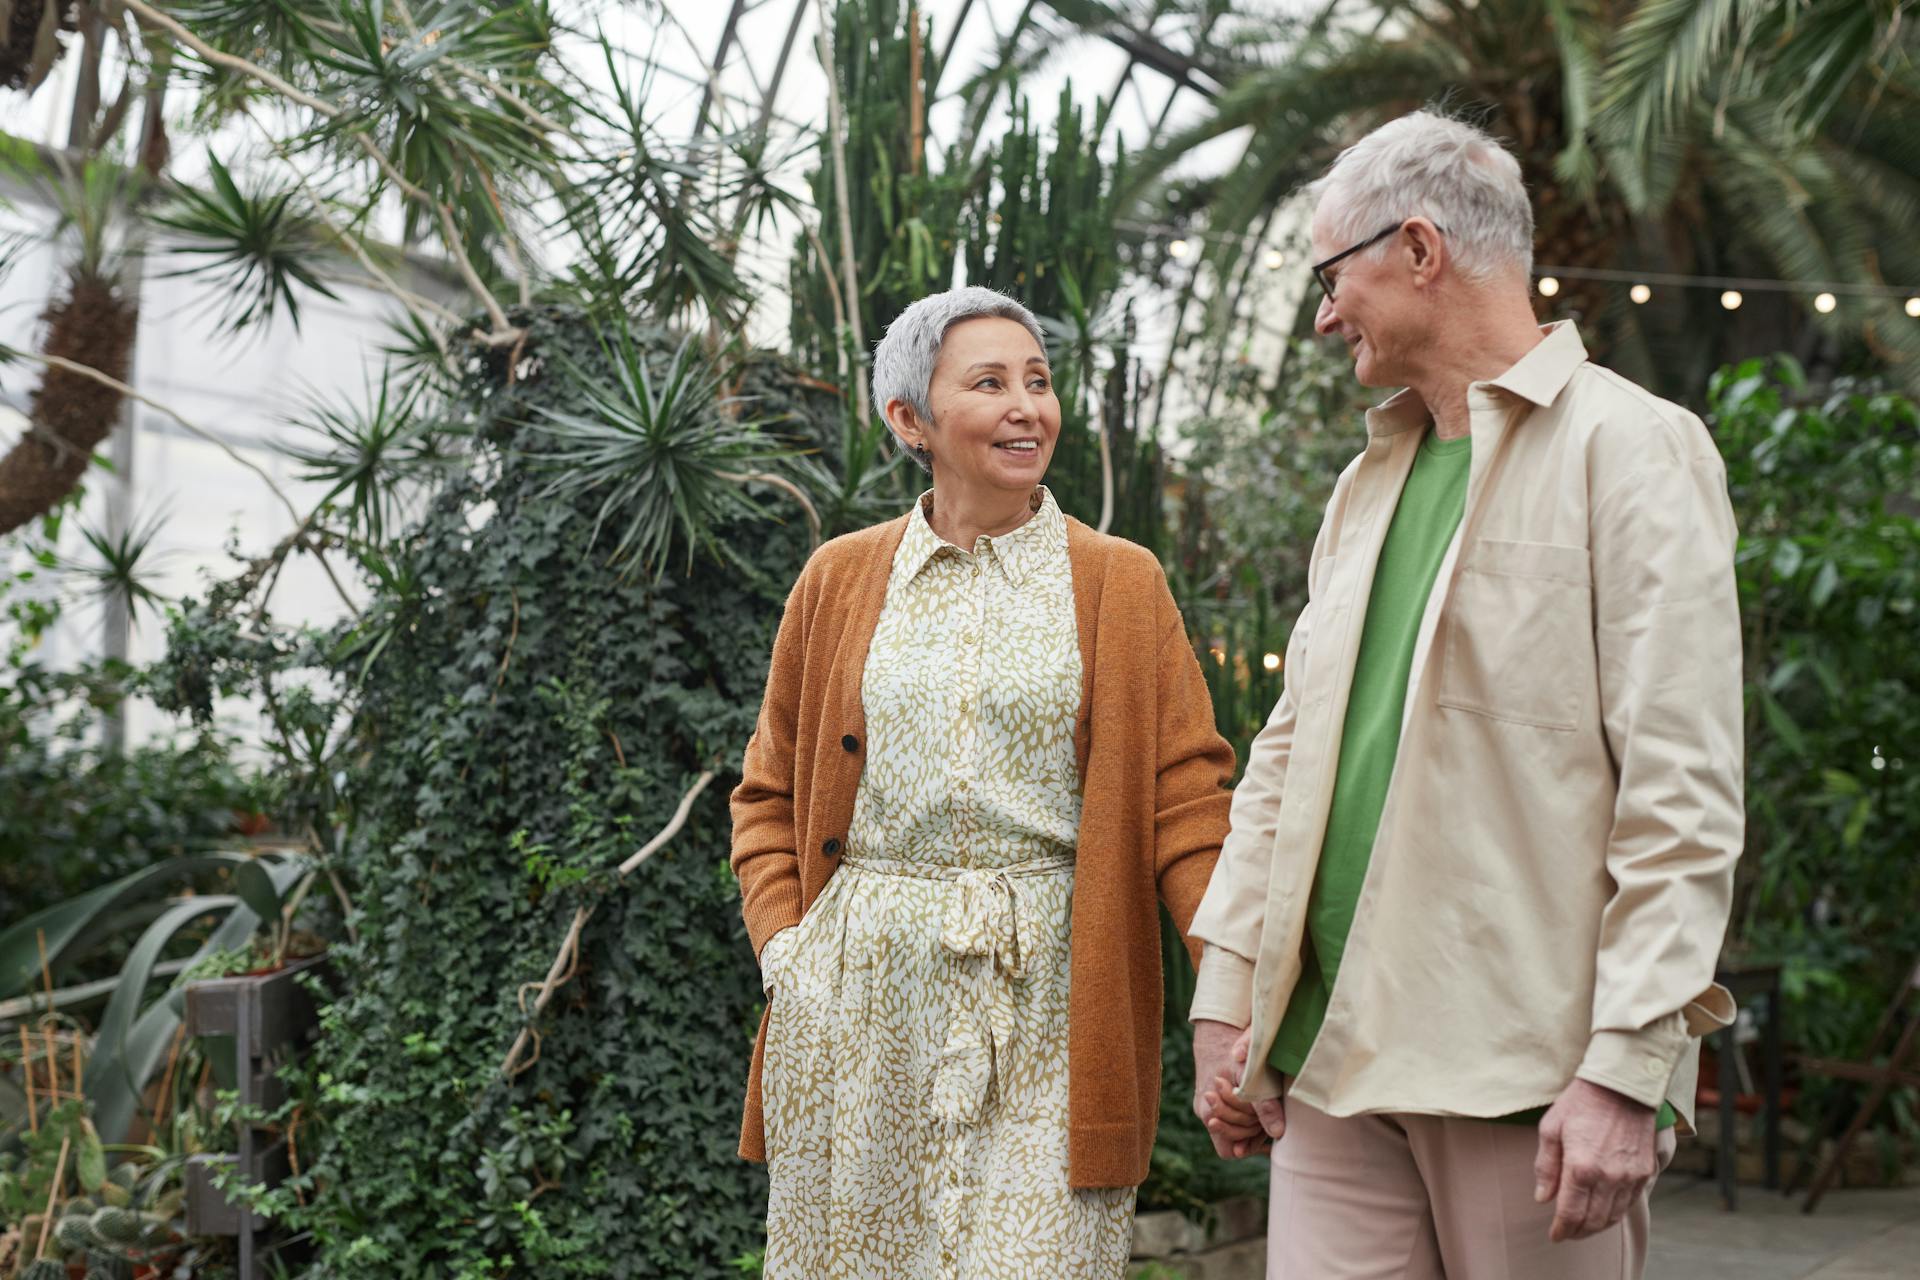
(1657, 136)
(463, 118)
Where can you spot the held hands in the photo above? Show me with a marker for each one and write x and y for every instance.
(1236, 1127)
(1597, 1155)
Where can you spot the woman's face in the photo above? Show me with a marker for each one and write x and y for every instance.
(995, 416)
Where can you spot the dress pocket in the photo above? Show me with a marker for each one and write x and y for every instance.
(1519, 634)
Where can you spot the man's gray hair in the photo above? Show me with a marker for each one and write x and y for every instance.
(903, 360)
(1427, 165)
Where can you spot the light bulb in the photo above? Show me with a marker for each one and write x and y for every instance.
(1548, 286)
(1639, 293)
(1824, 303)
(1731, 299)
(1179, 248)
(1271, 662)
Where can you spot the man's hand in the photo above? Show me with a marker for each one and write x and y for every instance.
(1596, 1157)
(1237, 1129)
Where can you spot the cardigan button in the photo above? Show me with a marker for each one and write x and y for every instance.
(831, 847)
(850, 742)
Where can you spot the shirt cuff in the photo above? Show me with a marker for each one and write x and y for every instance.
(1636, 1064)
(1224, 989)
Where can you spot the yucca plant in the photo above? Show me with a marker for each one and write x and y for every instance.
(370, 457)
(260, 247)
(120, 573)
(662, 450)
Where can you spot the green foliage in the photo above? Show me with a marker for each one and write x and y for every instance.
(524, 714)
(73, 814)
(1255, 488)
(136, 1029)
(667, 453)
(369, 457)
(1706, 137)
(1826, 489)
(257, 246)
(903, 215)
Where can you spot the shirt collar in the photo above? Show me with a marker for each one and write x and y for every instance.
(1543, 373)
(1537, 377)
(1016, 552)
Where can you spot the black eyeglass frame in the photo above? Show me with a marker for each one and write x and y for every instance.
(1320, 268)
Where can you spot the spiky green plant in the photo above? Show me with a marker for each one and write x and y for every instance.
(663, 449)
(259, 247)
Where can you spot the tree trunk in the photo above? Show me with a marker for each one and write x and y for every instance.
(71, 414)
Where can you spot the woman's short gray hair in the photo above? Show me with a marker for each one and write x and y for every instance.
(1427, 165)
(903, 360)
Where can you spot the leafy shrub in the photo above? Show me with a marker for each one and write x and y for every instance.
(75, 813)
(1826, 489)
(526, 711)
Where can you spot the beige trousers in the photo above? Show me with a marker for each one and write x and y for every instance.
(1406, 1197)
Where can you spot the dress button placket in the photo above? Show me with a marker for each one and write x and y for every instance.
(967, 739)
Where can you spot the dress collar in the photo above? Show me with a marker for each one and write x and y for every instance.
(1016, 552)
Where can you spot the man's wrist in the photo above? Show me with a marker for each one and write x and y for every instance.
(1223, 991)
(1636, 1064)
(1617, 1098)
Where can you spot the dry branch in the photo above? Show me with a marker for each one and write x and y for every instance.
(567, 962)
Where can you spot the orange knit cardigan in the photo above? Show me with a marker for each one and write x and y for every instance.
(1154, 774)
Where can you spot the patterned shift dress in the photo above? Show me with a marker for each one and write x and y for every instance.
(916, 1059)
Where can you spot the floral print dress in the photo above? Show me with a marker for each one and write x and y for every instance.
(916, 1058)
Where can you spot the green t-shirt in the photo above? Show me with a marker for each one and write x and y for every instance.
(1423, 526)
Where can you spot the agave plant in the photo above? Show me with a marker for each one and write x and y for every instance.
(137, 1025)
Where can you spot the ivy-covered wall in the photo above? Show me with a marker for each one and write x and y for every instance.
(534, 714)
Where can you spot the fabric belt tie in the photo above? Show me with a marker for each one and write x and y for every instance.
(983, 930)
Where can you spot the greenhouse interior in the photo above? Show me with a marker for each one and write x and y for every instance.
(490, 504)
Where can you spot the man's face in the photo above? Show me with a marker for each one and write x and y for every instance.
(1374, 309)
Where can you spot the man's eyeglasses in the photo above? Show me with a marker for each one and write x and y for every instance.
(1320, 268)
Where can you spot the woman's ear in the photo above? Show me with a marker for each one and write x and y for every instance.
(906, 424)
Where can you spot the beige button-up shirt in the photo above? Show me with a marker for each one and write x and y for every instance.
(1553, 870)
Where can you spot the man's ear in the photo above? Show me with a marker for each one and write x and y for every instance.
(1426, 249)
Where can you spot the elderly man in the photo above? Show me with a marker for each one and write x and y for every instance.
(1463, 933)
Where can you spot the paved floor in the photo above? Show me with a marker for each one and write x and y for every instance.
(1855, 1235)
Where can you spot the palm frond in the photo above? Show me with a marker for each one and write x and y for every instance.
(1577, 36)
(1662, 59)
(1299, 101)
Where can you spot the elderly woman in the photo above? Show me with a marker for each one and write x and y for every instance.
(986, 748)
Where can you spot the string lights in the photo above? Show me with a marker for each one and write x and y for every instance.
(1550, 280)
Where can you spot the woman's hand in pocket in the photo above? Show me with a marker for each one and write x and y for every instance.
(773, 958)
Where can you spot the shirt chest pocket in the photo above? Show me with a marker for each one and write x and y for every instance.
(1519, 634)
